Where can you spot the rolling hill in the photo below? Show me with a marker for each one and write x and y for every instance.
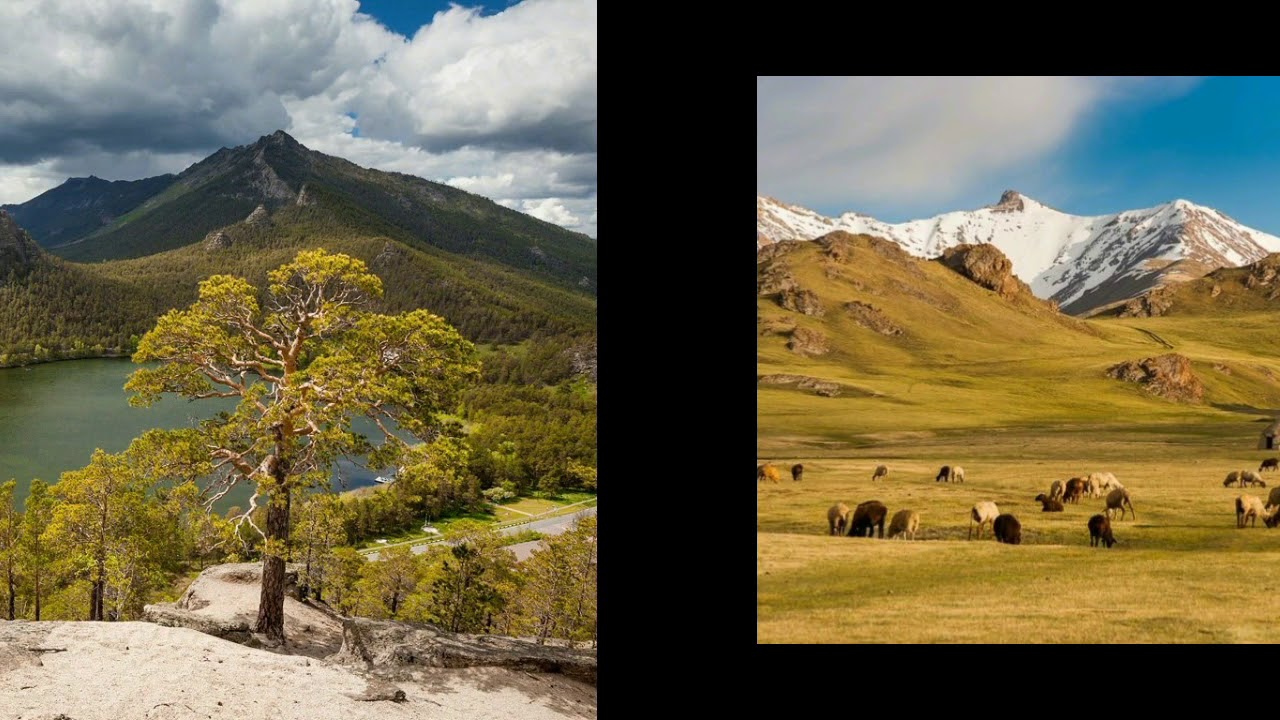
(857, 338)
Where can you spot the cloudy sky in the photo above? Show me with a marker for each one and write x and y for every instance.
(905, 148)
(498, 100)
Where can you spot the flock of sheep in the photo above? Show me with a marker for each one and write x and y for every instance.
(869, 517)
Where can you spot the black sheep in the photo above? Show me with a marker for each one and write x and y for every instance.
(797, 471)
(944, 474)
(1007, 529)
(866, 518)
(1049, 505)
(1100, 531)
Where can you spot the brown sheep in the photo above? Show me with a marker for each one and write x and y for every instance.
(767, 472)
(1274, 497)
(1007, 529)
(837, 518)
(866, 518)
(797, 472)
(904, 523)
(881, 471)
(1074, 489)
(1232, 478)
(1269, 464)
(1117, 500)
(1249, 477)
(1049, 504)
(1100, 531)
(982, 513)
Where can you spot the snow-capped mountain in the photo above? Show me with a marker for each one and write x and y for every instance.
(1082, 262)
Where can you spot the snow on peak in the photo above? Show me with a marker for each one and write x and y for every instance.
(1069, 258)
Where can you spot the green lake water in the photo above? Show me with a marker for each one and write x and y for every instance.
(53, 415)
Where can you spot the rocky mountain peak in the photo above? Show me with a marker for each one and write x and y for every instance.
(1010, 201)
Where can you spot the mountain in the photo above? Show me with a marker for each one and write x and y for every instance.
(81, 206)
(277, 171)
(1080, 262)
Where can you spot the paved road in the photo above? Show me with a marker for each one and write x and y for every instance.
(549, 526)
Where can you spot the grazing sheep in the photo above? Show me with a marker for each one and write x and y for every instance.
(904, 523)
(1007, 529)
(1050, 505)
(866, 518)
(1269, 464)
(881, 471)
(1055, 490)
(1116, 500)
(1075, 488)
(1100, 531)
(1108, 482)
(797, 471)
(957, 473)
(1249, 507)
(1249, 477)
(1091, 487)
(982, 513)
(1232, 477)
(1274, 497)
(767, 471)
(837, 518)
(944, 475)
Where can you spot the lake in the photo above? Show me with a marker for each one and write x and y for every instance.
(53, 415)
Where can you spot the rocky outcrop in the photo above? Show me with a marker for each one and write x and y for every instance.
(1155, 303)
(1010, 201)
(805, 302)
(259, 217)
(383, 646)
(305, 198)
(1264, 272)
(808, 342)
(1168, 376)
(217, 240)
(391, 254)
(223, 602)
(987, 266)
(826, 388)
(869, 317)
(582, 360)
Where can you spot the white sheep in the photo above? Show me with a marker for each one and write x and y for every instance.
(957, 474)
(1249, 507)
(904, 523)
(1056, 490)
(982, 513)
(1108, 482)
(1249, 477)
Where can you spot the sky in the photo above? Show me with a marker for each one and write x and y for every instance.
(909, 148)
(499, 100)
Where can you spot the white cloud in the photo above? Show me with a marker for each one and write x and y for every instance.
(843, 140)
(503, 105)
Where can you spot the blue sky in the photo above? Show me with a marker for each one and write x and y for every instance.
(406, 16)
(904, 148)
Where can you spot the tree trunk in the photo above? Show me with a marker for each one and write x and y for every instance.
(271, 602)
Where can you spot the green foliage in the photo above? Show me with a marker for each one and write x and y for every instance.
(557, 595)
(77, 207)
